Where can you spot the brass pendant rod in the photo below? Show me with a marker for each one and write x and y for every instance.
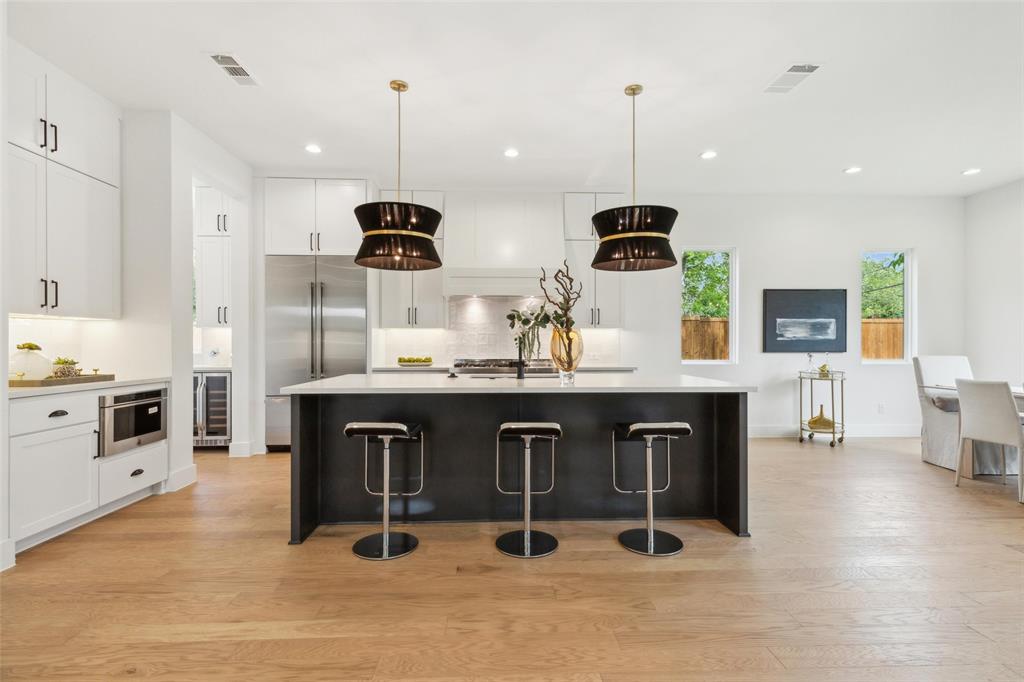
(398, 189)
(634, 149)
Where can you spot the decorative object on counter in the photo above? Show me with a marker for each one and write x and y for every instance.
(804, 320)
(566, 341)
(64, 368)
(822, 423)
(29, 361)
(397, 235)
(409, 361)
(95, 370)
(635, 237)
(526, 326)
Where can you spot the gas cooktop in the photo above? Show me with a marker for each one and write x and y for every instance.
(500, 366)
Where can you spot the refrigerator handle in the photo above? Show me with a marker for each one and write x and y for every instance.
(312, 330)
(322, 330)
(201, 407)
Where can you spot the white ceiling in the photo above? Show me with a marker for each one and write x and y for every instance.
(912, 92)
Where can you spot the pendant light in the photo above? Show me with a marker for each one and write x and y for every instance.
(632, 238)
(398, 235)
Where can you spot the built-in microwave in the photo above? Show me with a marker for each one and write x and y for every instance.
(130, 420)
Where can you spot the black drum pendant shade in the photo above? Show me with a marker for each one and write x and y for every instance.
(632, 238)
(397, 236)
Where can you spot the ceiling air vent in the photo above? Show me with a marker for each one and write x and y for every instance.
(792, 77)
(233, 69)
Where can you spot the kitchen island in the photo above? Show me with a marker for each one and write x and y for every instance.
(460, 418)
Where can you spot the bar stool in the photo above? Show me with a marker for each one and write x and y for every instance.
(526, 543)
(648, 540)
(386, 544)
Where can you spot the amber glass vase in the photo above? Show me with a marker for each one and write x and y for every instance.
(566, 353)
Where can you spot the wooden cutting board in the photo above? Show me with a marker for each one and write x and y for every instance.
(62, 381)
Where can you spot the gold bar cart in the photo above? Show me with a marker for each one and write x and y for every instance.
(832, 378)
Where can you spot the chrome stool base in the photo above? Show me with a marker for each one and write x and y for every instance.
(514, 544)
(373, 547)
(659, 544)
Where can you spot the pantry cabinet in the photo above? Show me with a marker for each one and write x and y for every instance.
(213, 281)
(312, 216)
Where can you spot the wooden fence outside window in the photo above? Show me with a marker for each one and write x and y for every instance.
(881, 339)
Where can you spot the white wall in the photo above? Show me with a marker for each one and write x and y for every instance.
(6, 544)
(994, 259)
(806, 242)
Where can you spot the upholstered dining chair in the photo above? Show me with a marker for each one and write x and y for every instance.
(940, 408)
(988, 412)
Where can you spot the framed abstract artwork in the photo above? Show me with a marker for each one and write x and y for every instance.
(805, 320)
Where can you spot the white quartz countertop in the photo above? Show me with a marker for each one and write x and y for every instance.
(445, 368)
(596, 382)
(28, 392)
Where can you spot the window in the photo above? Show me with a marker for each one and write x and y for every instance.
(708, 304)
(884, 305)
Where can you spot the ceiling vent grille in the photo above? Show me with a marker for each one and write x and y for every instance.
(792, 77)
(233, 69)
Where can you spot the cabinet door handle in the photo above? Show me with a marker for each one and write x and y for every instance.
(46, 137)
(138, 472)
(310, 241)
(58, 413)
(54, 148)
(591, 316)
(46, 293)
(598, 317)
(317, 241)
(415, 316)
(218, 222)
(99, 438)
(218, 315)
(408, 315)
(224, 221)
(225, 314)
(56, 293)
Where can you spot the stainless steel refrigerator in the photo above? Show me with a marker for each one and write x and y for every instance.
(316, 328)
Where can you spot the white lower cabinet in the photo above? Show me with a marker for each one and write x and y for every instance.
(53, 477)
(125, 474)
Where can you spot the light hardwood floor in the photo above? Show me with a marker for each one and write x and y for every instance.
(865, 564)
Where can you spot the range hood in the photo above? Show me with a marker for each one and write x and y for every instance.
(459, 281)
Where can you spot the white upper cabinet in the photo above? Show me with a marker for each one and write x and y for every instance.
(308, 216)
(213, 281)
(290, 216)
(503, 229)
(211, 212)
(608, 298)
(25, 278)
(395, 298)
(606, 200)
(601, 302)
(83, 237)
(424, 197)
(26, 99)
(578, 209)
(413, 299)
(54, 115)
(337, 231)
(84, 129)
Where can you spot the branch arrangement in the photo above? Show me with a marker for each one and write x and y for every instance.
(567, 291)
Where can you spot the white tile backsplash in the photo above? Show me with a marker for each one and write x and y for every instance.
(477, 328)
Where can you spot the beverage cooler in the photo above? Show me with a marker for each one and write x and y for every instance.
(211, 409)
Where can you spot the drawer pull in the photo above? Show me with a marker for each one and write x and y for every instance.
(137, 472)
(58, 413)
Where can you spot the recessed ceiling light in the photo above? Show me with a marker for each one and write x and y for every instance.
(852, 170)
(511, 152)
(313, 148)
(708, 155)
(970, 171)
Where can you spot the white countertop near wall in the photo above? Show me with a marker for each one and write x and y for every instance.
(445, 369)
(211, 368)
(598, 382)
(28, 392)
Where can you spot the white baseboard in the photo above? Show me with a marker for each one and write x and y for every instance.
(856, 431)
(181, 478)
(6, 554)
(239, 449)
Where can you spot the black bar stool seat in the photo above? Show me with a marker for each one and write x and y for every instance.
(386, 544)
(526, 543)
(648, 540)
